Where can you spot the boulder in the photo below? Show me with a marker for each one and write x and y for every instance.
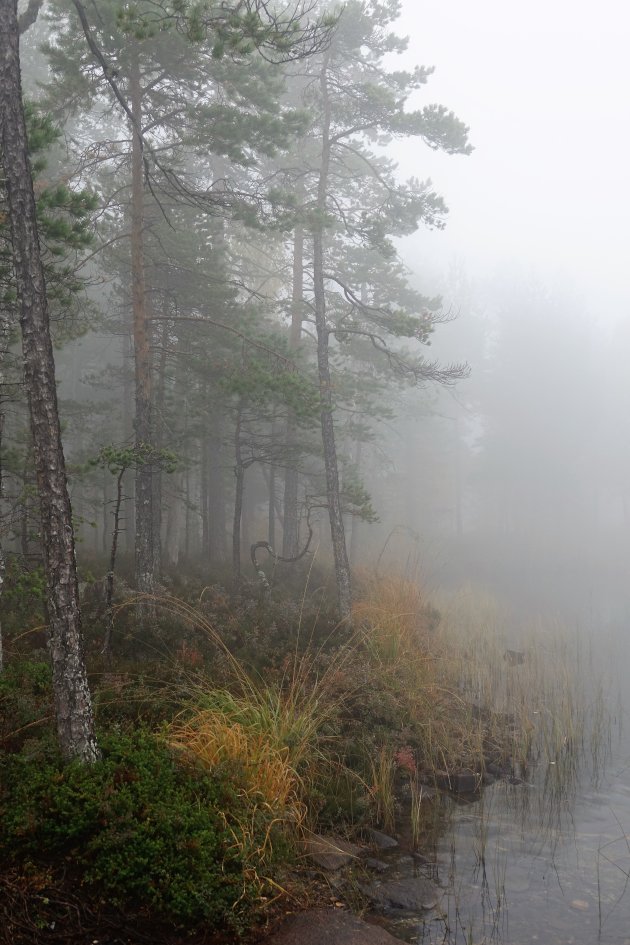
(460, 780)
(331, 853)
(325, 927)
(381, 840)
(413, 894)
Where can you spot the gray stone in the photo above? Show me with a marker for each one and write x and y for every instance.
(379, 866)
(413, 894)
(325, 927)
(381, 840)
(461, 781)
(331, 853)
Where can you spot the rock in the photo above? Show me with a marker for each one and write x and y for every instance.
(580, 904)
(379, 866)
(460, 780)
(331, 853)
(324, 927)
(429, 866)
(381, 840)
(413, 894)
(498, 770)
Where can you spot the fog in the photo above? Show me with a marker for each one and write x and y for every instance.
(533, 262)
(516, 476)
(543, 91)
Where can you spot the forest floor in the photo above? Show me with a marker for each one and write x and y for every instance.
(234, 732)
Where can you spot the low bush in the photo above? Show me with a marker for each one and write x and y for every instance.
(143, 828)
(26, 700)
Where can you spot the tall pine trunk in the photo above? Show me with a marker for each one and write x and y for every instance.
(239, 472)
(145, 563)
(217, 504)
(337, 533)
(128, 431)
(291, 528)
(73, 704)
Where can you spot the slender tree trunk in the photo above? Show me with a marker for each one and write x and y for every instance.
(106, 500)
(5, 335)
(356, 521)
(3, 560)
(239, 472)
(109, 582)
(187, 518)
(24, 545)
(174, 520)
(217, 502)
(158, 471)
(128, 427)
(204, 472)
(141, 347)
(73, 704)
(291, 529)
(271, 517)
(337, 533)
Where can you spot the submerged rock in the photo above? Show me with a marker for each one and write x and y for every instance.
(379, 866)
(325, 927)
(580, 904)
(461, 780)
(413, 894)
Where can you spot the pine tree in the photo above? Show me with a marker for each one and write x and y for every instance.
(73, 705)
(357, 199)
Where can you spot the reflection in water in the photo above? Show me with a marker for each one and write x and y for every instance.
(546, 859)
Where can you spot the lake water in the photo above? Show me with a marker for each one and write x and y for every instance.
(546, 860)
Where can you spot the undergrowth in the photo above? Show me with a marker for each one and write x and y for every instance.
(272, 722)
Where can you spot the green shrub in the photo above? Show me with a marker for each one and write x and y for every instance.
(140, 827)
(25, 699)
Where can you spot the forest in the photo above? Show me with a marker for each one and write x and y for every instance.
(240, 433)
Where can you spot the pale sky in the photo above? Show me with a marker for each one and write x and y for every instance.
(545, 89)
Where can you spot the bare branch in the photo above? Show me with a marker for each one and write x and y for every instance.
(203, 320)
(28, 18)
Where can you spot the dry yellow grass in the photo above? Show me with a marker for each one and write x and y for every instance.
(265, 772)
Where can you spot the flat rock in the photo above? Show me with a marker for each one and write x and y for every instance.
(460, 781)
(325, 927)
(413, 894)
(381, 840)
(379, 866)
(331, 853)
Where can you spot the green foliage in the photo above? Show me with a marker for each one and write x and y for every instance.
(23, 596)
(118, 458)
(23, 586)
(25, 698)
(261, 383)
(64, 218)
(358, 498)
(144, 827)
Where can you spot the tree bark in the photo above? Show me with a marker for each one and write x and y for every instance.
(291, 528)
(356, 521)
(337, 533)
(174, 520)
(239, 472)
(128, 431)
(204, 504)
(73, 704)
(157, 481)
(141, 348)
(217, 505)
(109, 581)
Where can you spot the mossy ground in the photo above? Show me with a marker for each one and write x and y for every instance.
(228, 730)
